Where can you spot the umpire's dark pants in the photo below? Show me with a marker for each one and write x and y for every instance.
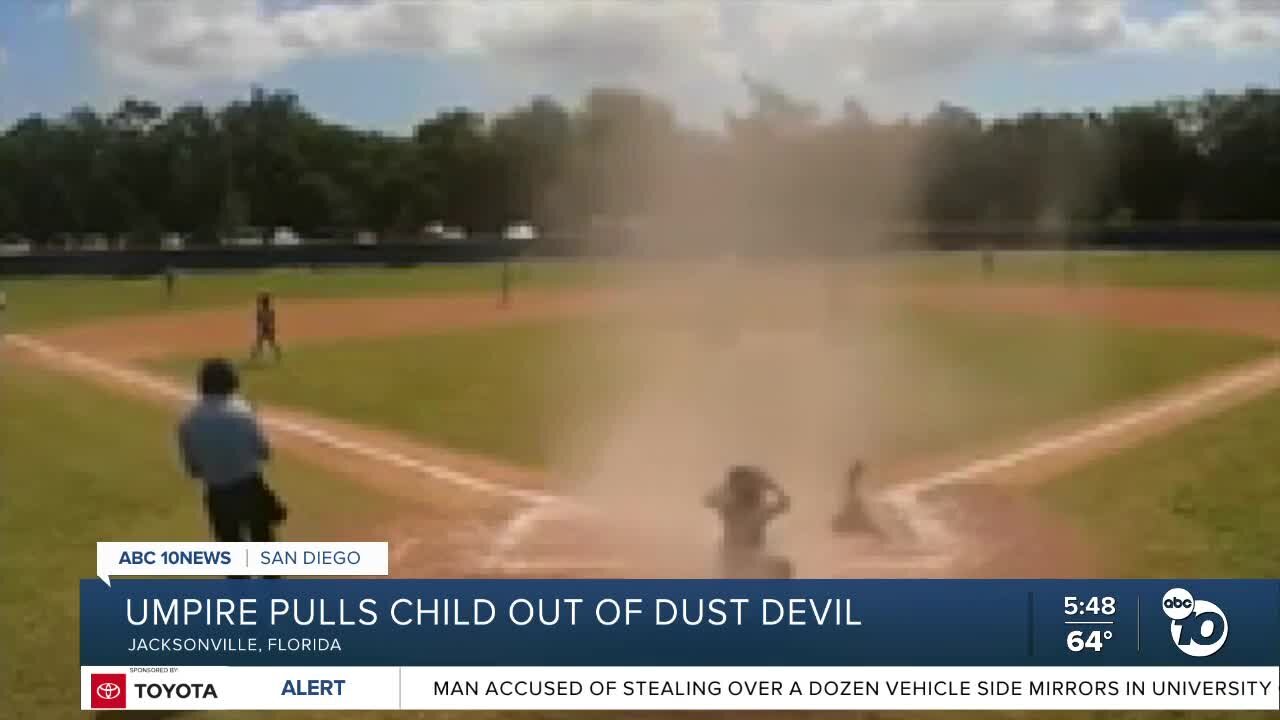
(241, 512)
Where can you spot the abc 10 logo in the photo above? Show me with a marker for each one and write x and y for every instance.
(1199, 627)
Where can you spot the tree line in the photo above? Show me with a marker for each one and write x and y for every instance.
(622, 159)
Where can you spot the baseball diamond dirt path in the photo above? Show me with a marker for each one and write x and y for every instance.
(214, 331)
(488, 518)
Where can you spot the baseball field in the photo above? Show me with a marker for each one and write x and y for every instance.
(1097, 415)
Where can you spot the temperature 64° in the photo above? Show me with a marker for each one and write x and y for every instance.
(1078, 640)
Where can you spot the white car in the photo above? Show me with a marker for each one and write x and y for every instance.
(366, 238)
(453, 234)
(285, 237)
(15, 245)
(172, 241)
(520, 232)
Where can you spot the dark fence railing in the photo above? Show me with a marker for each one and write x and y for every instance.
(1209, 236)
(141, 262)
(153, 262)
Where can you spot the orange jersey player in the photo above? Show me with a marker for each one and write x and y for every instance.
(265, 320)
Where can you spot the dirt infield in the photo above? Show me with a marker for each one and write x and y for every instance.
(1183, 308)
(214, 331)
(472, 516)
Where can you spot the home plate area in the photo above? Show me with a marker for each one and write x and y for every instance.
(567, 542)
(941, 532)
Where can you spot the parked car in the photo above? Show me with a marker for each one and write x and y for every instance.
(520, 232)
(285, 237)
(366, 238)
(172, 241)
(433, 231)
(15, 245)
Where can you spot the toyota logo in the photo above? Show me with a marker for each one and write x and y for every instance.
(107, 691)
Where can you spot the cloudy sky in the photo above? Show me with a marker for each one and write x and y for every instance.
(387, 63)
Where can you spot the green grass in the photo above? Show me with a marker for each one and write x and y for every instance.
(1199, 502)
(930, 381)
(36, 303)
(478, 390)
(74, 475)
(1245, 271)
(44, 302)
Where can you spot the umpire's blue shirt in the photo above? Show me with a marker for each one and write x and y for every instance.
(221, 442)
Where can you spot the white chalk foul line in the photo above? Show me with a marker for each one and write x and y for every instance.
(501, 547)
(937, 543)
(926, 522)
(401, 550)
(934, 531)
(1107, 428)
(279, 423)
(523, 523)
(513, 533)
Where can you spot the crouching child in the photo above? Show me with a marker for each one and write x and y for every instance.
(747, 502)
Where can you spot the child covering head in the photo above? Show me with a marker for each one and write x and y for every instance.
(747, 501)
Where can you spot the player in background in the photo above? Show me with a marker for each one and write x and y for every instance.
(853, 516)
(170, 282)
(266, 328)
(747, 502)
(1069, 266)
(505, 281)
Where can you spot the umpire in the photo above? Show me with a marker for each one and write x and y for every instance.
(224, 448)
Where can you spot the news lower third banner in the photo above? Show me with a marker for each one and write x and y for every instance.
(680, 645)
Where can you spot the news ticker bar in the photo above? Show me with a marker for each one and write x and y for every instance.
(681, 688)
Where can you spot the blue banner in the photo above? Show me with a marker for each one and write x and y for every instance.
(680, 622)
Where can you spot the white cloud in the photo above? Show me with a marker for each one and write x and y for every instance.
(187, 41)
(1228, 26)
(875, 40)
(684, 47)
(179, 42)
